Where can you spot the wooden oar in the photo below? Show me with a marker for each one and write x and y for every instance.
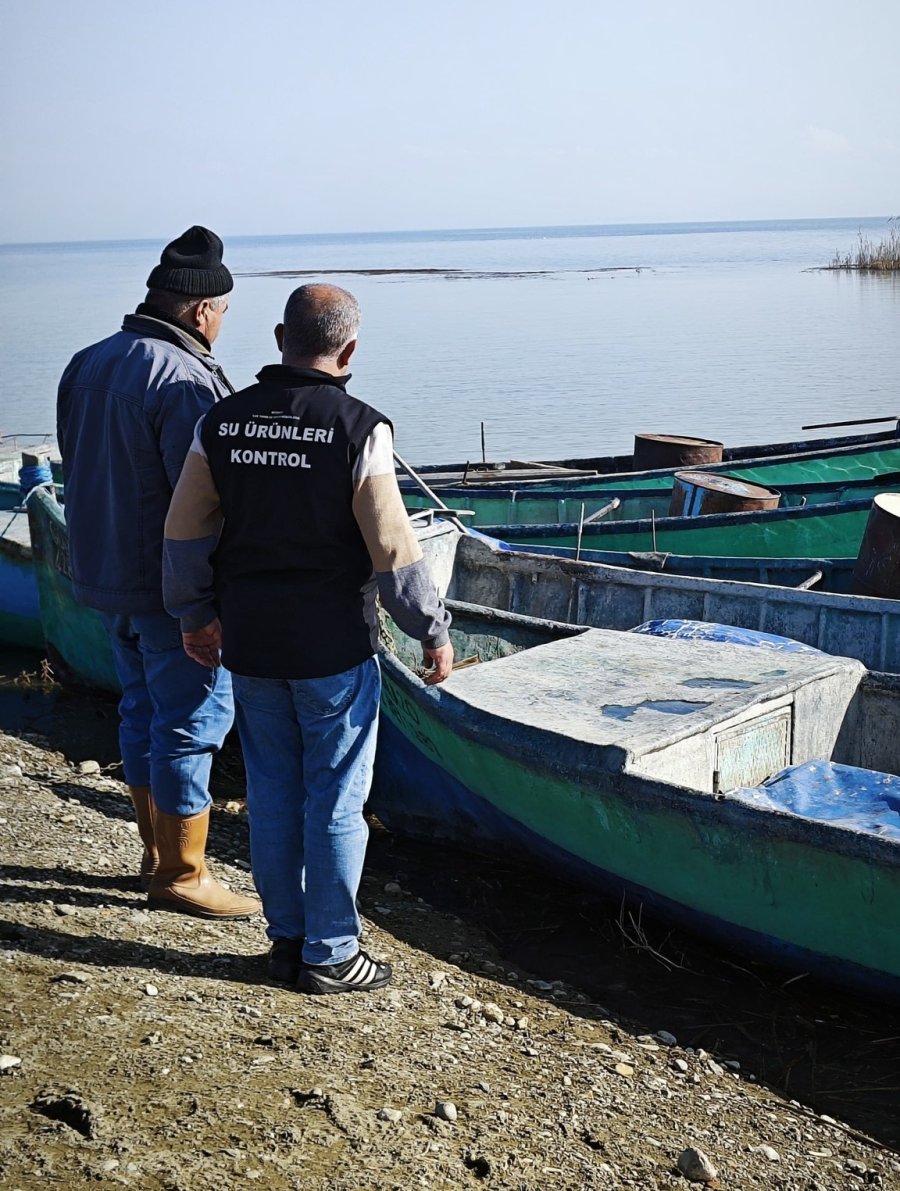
(813, 579)
(417, 479)
(613, 504)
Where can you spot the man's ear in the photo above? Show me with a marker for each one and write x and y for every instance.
(279, 336)
(346, 352)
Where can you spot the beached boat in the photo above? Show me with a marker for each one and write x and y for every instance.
(20, 613)
(476, 569)
(818, 574)
(820, 478)
(639, 765)
(76, 640)
(621, 470)
(818, 531)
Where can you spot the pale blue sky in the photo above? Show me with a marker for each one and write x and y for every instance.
(123, 120)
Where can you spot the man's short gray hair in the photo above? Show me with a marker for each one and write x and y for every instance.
(319, 321)
(177, 305)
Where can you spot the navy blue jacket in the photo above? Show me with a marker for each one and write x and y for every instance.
(126, 413)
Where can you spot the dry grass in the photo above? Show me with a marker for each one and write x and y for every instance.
(868, 257)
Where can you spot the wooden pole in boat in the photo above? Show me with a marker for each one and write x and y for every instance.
(428, 492)
(613, 504)
(851, 422)
(653, 528)
(483, 451)
(580, 532)
(813, 579)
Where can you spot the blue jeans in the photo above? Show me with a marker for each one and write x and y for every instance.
(174, 713)
(309, 746)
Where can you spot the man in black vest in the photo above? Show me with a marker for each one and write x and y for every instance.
(287, 503)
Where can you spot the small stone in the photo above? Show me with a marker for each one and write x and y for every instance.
(769, 1152)
(9, 773)
(445, 1110)
(567, 1081)
(624, 1069)
(695, 1165)
(88, 767)
(463, 1002)
(715, 1068)
(666, 1038)
(855, 1167)
(70, 978)
(541, 985)
(436, 980)
(109, 1164)
(521, 1023)
(680, 1065)
(492, 1012)
(151, 990)
(8, 1062)
(392, 887)
(65, 910)
(392, 1115)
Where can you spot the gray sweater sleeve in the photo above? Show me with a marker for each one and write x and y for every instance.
(410, 598)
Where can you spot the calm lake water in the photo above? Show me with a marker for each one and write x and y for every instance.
(720, 330)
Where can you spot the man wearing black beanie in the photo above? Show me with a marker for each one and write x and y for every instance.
(126, 413)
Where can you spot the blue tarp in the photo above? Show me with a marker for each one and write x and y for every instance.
(842, 794)
(699, 630)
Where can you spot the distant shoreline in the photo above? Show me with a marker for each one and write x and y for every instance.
(453, 274)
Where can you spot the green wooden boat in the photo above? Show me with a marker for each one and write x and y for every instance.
(621, 467)
(818, 531)
(76, 639)
(821, 477)
(642, 766)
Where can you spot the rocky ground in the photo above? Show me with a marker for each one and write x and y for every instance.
(147, 1050)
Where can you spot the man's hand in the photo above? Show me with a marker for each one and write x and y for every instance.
(442, 661)
(205, 645)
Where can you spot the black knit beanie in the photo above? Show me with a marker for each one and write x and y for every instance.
(192, 265)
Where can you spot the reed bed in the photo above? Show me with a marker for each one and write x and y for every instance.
(869, 257)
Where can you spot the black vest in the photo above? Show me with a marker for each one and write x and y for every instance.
(291, 560)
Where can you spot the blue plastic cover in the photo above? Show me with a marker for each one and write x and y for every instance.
(842, 794)
(699, 630)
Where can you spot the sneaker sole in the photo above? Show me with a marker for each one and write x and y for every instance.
(308, 982)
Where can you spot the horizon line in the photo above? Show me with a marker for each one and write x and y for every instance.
(527, 227)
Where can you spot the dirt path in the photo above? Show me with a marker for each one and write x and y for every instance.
(147, 1050)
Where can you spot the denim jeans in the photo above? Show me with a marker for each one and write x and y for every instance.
(174, 713)
(309, 746)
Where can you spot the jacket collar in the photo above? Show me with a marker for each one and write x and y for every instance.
(150, 320)
(288, 377)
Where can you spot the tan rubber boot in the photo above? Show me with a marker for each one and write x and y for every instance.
(182, 882)
(143, 812)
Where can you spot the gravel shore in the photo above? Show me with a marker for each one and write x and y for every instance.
(148, 1050)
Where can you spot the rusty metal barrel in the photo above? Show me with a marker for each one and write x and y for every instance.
(697, 493)
(877, 570)
(672, 450)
